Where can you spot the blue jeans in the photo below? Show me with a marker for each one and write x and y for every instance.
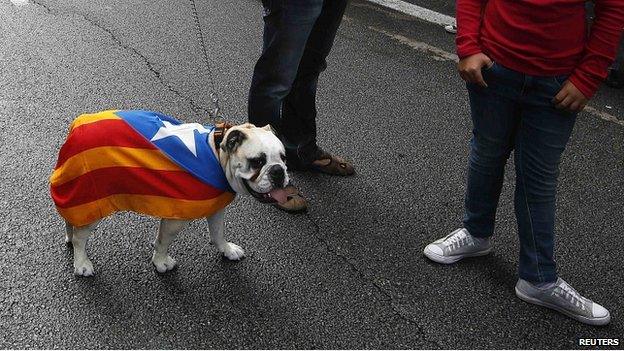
(298, 36)
(618, 64)
(515, 112)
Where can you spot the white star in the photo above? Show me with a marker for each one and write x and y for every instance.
(184, 132)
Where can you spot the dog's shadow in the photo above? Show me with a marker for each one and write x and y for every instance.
(209, 299)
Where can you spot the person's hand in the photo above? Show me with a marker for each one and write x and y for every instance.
(570, 98)
(470, 68)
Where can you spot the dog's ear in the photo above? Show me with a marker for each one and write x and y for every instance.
(234, 139)
(269, 128)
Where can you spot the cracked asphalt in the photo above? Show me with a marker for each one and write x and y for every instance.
(348, 274)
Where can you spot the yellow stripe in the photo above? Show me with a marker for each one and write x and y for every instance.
(93, 117)
(111, 156)
(150, 205)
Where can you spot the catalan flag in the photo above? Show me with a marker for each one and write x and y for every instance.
(139, 161)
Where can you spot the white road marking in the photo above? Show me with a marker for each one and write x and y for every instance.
(19, 2)
(416, 11)
(440, 54)
(603, 115)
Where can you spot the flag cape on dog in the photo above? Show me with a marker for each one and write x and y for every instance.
(137, 161)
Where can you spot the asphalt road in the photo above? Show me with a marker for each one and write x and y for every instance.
(350, 273)
(446, 7)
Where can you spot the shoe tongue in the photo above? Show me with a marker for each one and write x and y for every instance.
(279, 195)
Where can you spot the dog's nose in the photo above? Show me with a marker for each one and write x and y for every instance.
(277, 175)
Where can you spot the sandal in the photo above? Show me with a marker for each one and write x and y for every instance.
(295, 202)
(331, 164)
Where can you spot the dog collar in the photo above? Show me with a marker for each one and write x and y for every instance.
(219, 133)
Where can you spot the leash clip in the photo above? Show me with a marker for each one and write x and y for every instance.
(215, 113)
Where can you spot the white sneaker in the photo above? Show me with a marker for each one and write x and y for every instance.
(451, 28)
(563, 298)
(457, 245)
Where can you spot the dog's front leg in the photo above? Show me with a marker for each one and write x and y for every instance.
(79, 238)
(169, 229)
(216, 226)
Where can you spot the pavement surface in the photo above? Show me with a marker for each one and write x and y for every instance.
(350, 273)
(446, 7)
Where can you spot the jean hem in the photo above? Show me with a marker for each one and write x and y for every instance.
(477, 233)
(543, 277)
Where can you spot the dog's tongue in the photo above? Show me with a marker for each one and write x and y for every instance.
(280, 195)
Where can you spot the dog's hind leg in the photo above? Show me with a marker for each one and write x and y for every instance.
(169, 229)
(229, 250)
(80, 236)
(69, 232)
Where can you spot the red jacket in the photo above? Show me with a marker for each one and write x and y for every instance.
(543, 37)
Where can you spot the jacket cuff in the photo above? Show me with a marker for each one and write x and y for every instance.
(466, 46)
(462, 53)
(586, 85)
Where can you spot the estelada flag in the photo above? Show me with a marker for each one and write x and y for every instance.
(139, 161)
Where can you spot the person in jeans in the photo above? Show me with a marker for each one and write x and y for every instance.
(529, 69)
(298, 36)
(616, 73)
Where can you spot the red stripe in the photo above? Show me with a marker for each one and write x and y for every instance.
(104, 182)
(107, 132)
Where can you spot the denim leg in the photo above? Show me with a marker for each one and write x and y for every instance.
(299, 109)
(542, 137)
(495, 120)
(287, 26)
(618, 64)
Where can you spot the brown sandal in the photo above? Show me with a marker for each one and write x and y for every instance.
(332, 164)
(296, 203)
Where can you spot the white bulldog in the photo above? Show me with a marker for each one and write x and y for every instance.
(252, 159)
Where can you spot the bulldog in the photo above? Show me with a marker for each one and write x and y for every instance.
(149, 163)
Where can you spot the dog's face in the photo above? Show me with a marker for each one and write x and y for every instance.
(253, 161)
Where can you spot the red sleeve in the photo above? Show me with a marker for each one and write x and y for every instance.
(468, 25)
(601, 47)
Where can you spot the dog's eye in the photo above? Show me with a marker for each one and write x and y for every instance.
(257, 162)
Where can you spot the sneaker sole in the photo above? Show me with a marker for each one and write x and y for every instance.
(452, 259)
(591, 321)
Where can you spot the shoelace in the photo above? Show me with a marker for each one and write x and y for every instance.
(455, 240)
(572, 295)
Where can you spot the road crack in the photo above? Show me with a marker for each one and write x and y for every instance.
(364, 278)
(199, 110)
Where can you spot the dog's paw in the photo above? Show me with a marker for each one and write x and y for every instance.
(163, 263)
(83, 268)
(233, 252)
